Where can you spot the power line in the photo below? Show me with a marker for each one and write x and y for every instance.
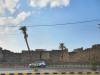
(69, 23)
(60, 24)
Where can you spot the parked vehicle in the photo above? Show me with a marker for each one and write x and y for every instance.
(39, 63)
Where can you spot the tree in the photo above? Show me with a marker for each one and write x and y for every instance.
(63, 48)
(24, 30)
(1, 48)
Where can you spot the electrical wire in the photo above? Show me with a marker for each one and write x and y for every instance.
(60, 24)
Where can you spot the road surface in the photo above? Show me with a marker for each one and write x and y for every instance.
(42, 70)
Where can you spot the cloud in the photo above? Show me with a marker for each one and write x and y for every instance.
(8, 5)
(21, 17)
(14, 20)
(1, 42)
(51, 3)
(39, 3)
(59, 3)
(1, 7)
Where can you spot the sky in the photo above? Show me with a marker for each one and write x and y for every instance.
(49, 23)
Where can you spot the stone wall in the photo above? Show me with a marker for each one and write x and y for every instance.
(54, 56)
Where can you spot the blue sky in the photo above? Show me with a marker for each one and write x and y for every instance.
(49, 12)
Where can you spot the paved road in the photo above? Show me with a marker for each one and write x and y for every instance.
(42, 70)
(12, 70)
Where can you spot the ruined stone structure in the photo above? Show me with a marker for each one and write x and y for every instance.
(79, 55)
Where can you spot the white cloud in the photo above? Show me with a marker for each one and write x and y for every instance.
(66, 2)
(6, 20)
(14, 21)
(1, 7)
(1, 42)
(9, 5)
(39, 3)
(59, 3)
(21, 17)
(51, 3)
(56, 3)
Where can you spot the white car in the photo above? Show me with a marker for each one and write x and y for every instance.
(37, 64)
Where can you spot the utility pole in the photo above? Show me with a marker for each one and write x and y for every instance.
(24, 30)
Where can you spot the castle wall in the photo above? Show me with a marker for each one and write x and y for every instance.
(54, 56)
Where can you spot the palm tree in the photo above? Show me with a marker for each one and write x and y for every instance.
(24, 30)
(62, 47)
